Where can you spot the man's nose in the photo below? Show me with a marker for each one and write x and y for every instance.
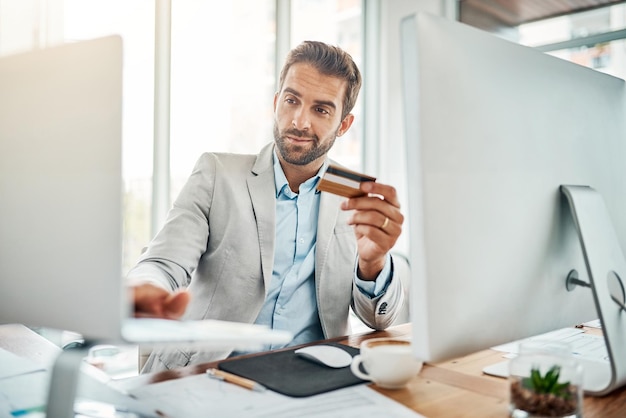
(301, 120)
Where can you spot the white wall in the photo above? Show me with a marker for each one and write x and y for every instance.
(392, 165)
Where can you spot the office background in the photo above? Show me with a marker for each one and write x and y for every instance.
(200, 75)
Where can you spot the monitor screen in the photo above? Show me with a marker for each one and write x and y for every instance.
(492, 130)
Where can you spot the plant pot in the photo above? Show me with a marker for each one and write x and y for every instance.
(545, 381)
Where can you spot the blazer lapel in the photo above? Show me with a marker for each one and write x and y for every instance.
(329, 211)
(262, 192)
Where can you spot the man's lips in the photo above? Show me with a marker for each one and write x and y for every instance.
(298, 139)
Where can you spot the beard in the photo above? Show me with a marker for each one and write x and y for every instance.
(298, 154)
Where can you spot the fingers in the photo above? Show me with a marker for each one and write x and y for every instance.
(387, 192)
(380, 209)
(377, 223)
(176, 304)
(153, 301)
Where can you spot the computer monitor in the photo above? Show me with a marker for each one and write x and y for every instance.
(492, 130)
(61, 196)
(61, 188)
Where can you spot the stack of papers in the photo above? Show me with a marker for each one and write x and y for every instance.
(23, 386)
(584, 346)
(200, 396)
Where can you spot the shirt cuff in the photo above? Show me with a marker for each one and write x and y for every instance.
(136, 281)
(145, 274)
(375, 288)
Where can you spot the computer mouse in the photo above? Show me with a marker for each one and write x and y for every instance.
(326, 355)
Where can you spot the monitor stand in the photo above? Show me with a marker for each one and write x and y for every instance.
(607, 271)
(64, 382)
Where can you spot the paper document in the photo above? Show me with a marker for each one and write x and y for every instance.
(14, 365)
(590, 350)
(26, 395)
(584, 345)
(200, 396)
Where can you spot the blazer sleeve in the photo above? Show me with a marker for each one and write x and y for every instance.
(173, 254)
(380, 312)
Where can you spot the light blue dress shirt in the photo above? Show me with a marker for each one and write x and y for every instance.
(291, 303)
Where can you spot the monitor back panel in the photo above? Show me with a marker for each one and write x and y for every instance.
(61, 187)
(493, 129)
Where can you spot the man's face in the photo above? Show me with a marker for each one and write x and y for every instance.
(307, 115)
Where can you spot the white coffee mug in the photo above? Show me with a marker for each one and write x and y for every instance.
(388, 362)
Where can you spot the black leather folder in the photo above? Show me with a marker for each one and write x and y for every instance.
(287, 373)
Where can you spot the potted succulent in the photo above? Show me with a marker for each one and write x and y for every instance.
(544, 395)
(545, 381)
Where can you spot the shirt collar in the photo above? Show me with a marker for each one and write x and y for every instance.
(282, 186)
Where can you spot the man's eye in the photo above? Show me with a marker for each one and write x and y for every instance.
(322, 110)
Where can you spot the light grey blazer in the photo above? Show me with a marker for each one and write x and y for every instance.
(218, 241)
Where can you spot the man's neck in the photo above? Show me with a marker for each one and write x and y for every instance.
(298, 174)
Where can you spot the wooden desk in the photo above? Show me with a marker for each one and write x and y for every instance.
(455, 388)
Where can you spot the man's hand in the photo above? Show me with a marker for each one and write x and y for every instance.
(156, 302)
(377, 222)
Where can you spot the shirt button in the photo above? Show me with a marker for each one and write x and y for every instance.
(301, 240)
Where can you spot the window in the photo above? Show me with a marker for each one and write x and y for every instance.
(224, 74)
(134, 21)
(595, 38)
(337, 22)
(223, 78)
(29, 24)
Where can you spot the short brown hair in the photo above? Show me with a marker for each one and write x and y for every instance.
(328, 60)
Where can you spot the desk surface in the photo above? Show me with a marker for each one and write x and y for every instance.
(455, 388)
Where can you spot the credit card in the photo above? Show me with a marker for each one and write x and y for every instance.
(341, 181)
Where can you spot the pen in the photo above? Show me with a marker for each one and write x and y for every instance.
(234, 379)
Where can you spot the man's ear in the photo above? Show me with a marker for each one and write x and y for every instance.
(275, 101)
(345, 124)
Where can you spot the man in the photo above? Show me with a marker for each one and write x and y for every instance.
(250, 239)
